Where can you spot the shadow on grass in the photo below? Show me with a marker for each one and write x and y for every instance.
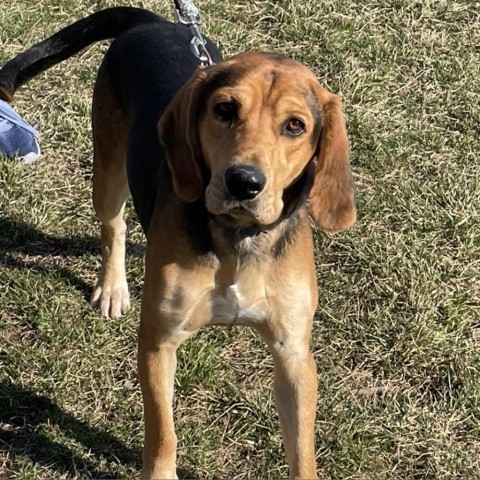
(22, 415)
(20, 237)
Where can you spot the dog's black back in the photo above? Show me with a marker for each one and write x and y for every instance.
(146, 66)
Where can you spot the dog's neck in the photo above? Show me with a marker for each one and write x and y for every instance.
(260, 248)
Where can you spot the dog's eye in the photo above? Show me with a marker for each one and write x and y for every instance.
(226, 111)
(295, 127)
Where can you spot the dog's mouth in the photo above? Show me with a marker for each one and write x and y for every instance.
(240, 230)
(231, 220)
(240, 221)
(238, 217)
(259, 213)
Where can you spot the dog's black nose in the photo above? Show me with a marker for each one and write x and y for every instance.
(244, 181)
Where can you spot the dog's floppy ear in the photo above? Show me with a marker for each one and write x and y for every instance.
(331, 202)
(178, 132)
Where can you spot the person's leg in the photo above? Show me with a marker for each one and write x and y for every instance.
(17, 137)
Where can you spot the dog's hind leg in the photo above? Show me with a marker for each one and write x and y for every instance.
(110, 192)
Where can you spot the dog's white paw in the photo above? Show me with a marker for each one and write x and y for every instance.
(112, 300)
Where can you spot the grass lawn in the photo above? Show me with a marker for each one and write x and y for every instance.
(396, 336)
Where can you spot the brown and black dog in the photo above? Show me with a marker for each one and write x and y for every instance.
(222, 163)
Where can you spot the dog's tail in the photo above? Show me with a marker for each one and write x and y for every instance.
(108, 23)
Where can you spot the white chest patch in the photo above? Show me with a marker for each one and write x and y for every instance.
(231, 308)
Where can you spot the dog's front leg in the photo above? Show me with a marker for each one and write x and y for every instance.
(157, 359)
(295, 391)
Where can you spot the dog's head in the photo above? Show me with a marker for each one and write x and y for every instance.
(257, 122)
